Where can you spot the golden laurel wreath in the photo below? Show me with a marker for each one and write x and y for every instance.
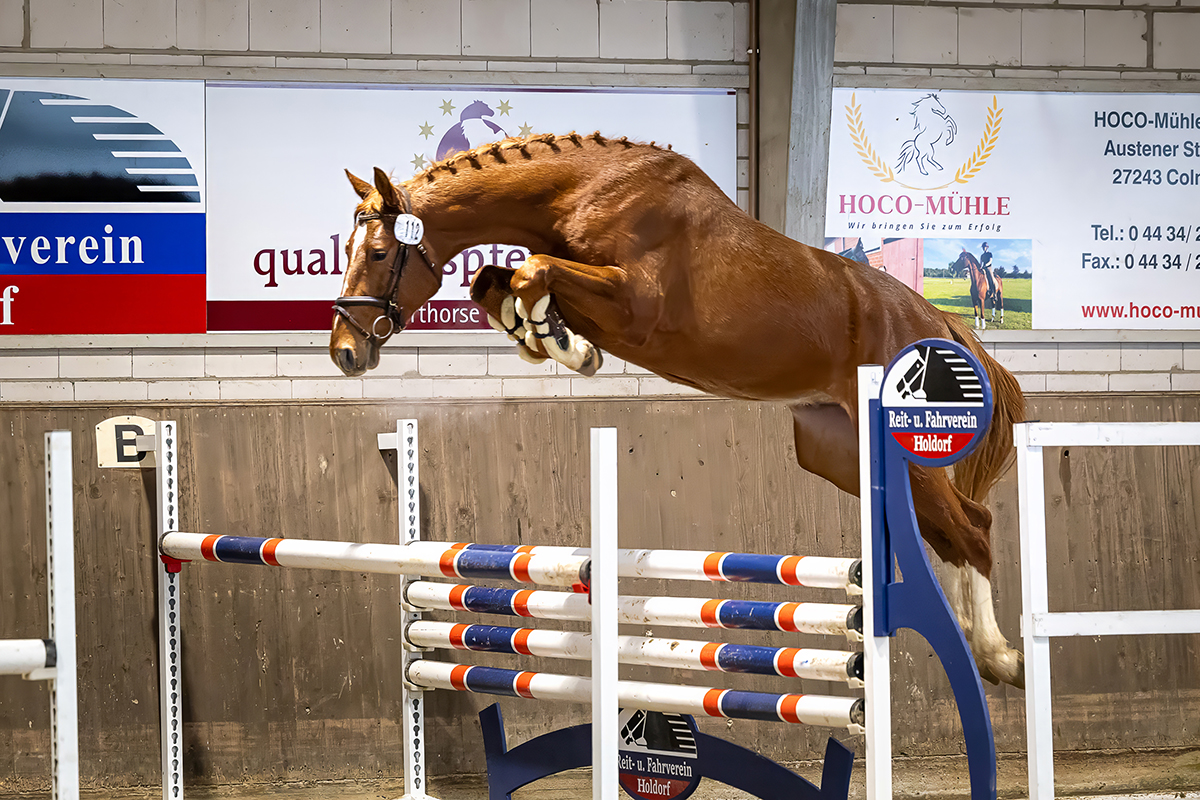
(858, 134)
(983, 151)
(880, 168)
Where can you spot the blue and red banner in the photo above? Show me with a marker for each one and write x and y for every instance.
(102, 212)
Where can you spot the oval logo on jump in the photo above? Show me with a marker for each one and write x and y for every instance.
(937, 401)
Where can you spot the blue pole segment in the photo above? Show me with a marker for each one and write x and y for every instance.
(484, 563)
(239, 549)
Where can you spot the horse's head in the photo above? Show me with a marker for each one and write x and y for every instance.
(964, 263)
(389, 275)
(930, 102)
(477, 110)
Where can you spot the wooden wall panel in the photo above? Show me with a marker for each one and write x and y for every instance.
(293, 674)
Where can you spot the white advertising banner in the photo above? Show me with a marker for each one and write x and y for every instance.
(1088, 204)
(280, 205)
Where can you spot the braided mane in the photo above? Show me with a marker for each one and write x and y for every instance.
(522, 147)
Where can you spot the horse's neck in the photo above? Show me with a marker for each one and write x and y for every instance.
(515, 203)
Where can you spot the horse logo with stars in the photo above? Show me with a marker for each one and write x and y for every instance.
(476, 124)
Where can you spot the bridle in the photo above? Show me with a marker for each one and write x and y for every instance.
(392, 312)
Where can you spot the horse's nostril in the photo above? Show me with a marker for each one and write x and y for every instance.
(345, 359)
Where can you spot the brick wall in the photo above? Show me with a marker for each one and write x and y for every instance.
(1090, 40)
(569, 43)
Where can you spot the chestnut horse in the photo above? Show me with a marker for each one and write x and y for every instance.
(635, 251)
(981, 291)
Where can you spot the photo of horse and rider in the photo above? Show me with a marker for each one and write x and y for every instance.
(987, 282)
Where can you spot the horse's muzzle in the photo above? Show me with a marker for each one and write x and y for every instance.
(347, 361)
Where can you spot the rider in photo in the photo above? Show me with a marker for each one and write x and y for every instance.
(985, 261)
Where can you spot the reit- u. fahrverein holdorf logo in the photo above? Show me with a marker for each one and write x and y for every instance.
(926, 147)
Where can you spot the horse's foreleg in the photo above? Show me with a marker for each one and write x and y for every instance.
(491, 288)
(827, 443)
(564, 301)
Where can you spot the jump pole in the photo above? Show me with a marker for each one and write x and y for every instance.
(53, 659)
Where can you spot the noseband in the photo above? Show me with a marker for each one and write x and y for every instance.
(392, 312)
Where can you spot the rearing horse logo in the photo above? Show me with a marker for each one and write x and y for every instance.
(933, 125)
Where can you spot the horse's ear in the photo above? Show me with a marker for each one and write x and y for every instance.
(383, 185)
(361, 187)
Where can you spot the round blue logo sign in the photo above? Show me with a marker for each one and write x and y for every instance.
(937, 402)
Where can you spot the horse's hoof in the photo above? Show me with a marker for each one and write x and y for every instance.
(567, 356)
(591, 362)
(1018, 680)
(986, 673)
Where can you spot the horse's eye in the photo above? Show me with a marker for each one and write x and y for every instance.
(379, 255)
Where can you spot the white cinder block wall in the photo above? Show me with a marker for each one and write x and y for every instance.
(1077, 46)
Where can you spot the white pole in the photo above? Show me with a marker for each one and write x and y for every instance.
(25, 656)
(876, 649)
(605, 780)
(1031, 505)
(60, 553)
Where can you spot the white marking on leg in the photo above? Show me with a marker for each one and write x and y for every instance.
(989, 644)
(958, 592)
(528, 355)
(508, 316)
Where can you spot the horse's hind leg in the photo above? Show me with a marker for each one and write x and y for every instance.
(959, 531)
(956, 528)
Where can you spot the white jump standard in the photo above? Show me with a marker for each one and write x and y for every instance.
(53, 659)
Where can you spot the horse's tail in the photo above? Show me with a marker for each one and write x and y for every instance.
(976, 474)
(907, 152)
